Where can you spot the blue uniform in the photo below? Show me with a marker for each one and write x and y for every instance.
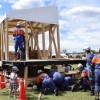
(19, 41)
(89, 57)
(59, 80)
(67, 82)
(96, 61)
(47, 82)
(88, 67)
(57, 77)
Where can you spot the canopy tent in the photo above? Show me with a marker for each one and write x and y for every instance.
(41, 14)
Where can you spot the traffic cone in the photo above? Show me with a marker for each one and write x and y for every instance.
(22, 94)
(2, 82)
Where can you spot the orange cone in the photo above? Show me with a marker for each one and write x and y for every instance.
(22, 94)
(2, 82)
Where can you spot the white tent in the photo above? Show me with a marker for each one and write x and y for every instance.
(41, 14)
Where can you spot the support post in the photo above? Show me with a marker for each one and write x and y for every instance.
(31, 42)
(58, 41)
(1, 28)
(50, 43)
(6, 40)
(26, 75)
(43, 40)
(26, 40)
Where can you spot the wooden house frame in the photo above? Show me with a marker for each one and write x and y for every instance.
(45, 19)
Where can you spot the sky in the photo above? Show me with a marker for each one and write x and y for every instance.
(79, 20)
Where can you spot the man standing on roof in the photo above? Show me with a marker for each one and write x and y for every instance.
(19, 41)
(89, 57)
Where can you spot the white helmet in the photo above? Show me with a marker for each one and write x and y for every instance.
(35, 87)
(79, 65)
(18, 25)
(14, 68)
(39, 71)
(87, 48)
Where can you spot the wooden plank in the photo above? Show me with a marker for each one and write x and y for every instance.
(26, 75)
(50, 44)
(58, 41)
(43, 40)
(6, 40)
(26, 40)
(35, 45)
(2, 56)
(52, 39)
(1, 42)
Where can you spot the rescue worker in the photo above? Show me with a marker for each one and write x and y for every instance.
(61, 81)
(57, 78)
(19, 41)
(96, 64)
(89, 57)
(67, 84)
(84, 80)
(47, 83)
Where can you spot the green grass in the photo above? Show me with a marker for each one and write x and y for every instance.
(33, 95)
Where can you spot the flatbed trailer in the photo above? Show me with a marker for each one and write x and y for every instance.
(44, 62)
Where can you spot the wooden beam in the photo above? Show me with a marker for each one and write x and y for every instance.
(14, 20)
(22, 26)
(31, 42)
(35, 45)
(26, 40)
(50, 44)
(26, 75)
(58, 41)
(52, 39)
(37, 24)
(7, 40)
(4, 44)
(43, 40)
(1, 28)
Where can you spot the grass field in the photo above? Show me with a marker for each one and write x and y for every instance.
(33, 95)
